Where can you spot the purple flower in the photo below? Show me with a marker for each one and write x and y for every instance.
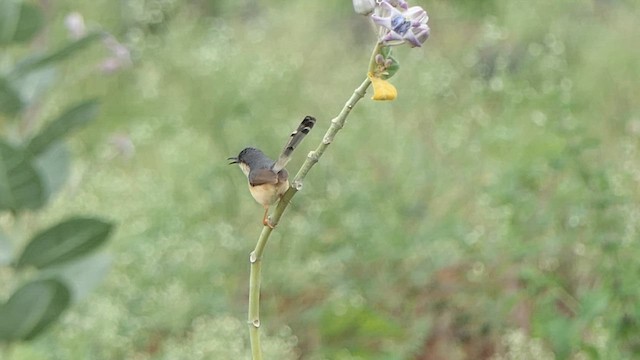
(398, 27)
(396, 3)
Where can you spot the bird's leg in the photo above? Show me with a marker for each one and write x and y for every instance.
(265, 218)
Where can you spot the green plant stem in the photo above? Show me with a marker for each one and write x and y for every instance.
(255, 258)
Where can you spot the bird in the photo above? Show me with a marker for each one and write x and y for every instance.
(268, 179)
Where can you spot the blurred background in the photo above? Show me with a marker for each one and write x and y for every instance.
(491, 212)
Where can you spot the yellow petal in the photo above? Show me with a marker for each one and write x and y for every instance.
(382, 89)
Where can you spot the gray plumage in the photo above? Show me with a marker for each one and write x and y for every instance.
(268, 179)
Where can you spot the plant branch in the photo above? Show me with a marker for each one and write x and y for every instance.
(255, 258)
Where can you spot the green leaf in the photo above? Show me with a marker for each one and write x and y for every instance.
(36, 62)
(84, 274)
(65, 241)
(561, 332)
(57, 129)
(10, 101)
(19, 22)
(29, 24)
(53, 166)
(20, 185)
(593, 303)
(9, 18)
(32, 308)
(392, 69)
(35, 85)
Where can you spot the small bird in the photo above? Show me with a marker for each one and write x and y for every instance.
(268, 179)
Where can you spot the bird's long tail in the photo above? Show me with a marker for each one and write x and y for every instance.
(296, 137)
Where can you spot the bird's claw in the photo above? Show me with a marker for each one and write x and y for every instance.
(267, 222)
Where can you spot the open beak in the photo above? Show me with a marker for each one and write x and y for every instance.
(234, 160)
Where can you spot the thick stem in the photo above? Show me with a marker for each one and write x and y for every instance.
(255, 258)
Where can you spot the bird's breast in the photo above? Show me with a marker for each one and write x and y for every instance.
(268, 194)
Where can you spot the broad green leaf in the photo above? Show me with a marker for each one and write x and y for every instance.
(20, 185)
(10, 101)
(32, 308)
(65, 241)
(35, 85)
(19, 22)
(53, 166)
(57, 129)
(84, 274)
(39, 61)
(9, 18)
(29, 23)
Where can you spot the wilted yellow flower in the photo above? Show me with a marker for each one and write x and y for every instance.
(382, 89)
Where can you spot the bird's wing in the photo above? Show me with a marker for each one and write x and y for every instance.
(262, 176)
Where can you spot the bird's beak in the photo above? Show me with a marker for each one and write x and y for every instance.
(234, 160)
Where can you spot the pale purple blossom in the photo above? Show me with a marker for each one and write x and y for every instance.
(401, 23)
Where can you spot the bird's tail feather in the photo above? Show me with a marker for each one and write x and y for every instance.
(296, 137)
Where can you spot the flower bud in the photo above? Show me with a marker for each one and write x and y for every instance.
(364, 7)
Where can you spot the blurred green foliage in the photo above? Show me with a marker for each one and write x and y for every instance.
(490, 211)
(34, 163)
